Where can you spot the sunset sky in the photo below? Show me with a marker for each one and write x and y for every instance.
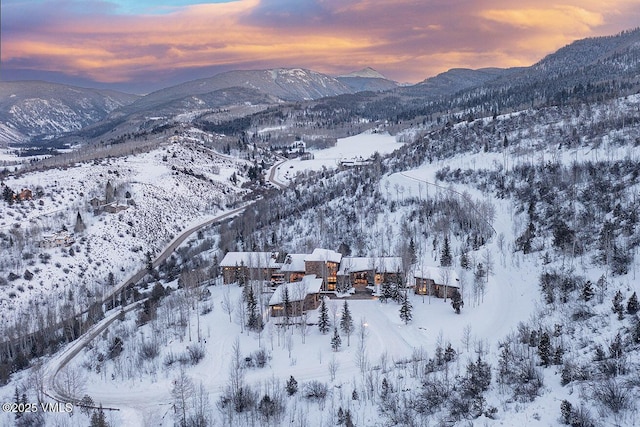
(138, 46)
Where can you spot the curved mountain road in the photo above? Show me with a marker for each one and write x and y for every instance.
(51, 386)
(136, 277)
(57, 363)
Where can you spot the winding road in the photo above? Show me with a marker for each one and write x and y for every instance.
(52, 387)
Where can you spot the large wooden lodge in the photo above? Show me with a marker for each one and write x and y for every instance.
(326, 271)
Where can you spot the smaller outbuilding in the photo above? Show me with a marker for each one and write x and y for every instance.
(436, 281)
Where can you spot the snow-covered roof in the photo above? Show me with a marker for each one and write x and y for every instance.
(250, 259)
(379, 264)
(57, 235)
(309, 284)
(326, 255)
(438, 275)
(294, 262)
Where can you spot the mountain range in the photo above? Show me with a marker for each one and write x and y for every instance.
(33, 112)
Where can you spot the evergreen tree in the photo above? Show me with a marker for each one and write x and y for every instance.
(286, 304)
(587, 291)
(388, 292)
(323, 319)
(456, 301)
(477, 380)
(292, 386)
(98, 418)
(479, 273)
(149, 261)
(336, 341)
(620, 260)
(348, 422)
(405, 309)
(566, 412)
(632, 304)
(412, 252)
(617, 305)
(346, 322)
(524, 242)
(267, 408)
(558, 353)
(254, 320)
(544, 349)
(7, 194)
(79, 227)
(215, 267)
(241, 274)
(385, 389)
(616, 349)
(396, 291)
(344, 249)
(16, 398)
(449, 353)
(464, 260)
(635, 329)
(445, 255)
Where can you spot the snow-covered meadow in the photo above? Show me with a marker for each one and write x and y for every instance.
(361, 146)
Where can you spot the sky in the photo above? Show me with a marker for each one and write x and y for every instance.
(138, 46)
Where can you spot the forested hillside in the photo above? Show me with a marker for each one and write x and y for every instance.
(523, 186)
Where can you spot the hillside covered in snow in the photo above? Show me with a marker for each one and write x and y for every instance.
(523, 200)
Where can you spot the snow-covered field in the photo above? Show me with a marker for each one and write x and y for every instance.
(363, 146)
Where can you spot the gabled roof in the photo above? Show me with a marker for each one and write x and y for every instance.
(250, 259)
(294, 262)
(438, 275)
(324, 255)
(378, 264)
(310, 284)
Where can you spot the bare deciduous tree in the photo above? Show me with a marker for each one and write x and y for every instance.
(226, 303)
(333, 368)
(72, 381)
(181, 391)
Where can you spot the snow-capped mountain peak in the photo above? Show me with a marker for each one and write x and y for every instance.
(367, 72)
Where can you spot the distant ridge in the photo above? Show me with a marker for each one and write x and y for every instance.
(31, 110)
(367, 79)
(36, 112)
(454, 80)
(287, 84)
(367, 72)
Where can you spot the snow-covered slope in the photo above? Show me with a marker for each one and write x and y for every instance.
(157, 195)
(291, 84)
(33, 109)
(367, 79)
(367, 72)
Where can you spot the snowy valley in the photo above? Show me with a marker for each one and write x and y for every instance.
(499, 239)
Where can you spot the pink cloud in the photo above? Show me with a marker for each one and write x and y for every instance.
(408, 40)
